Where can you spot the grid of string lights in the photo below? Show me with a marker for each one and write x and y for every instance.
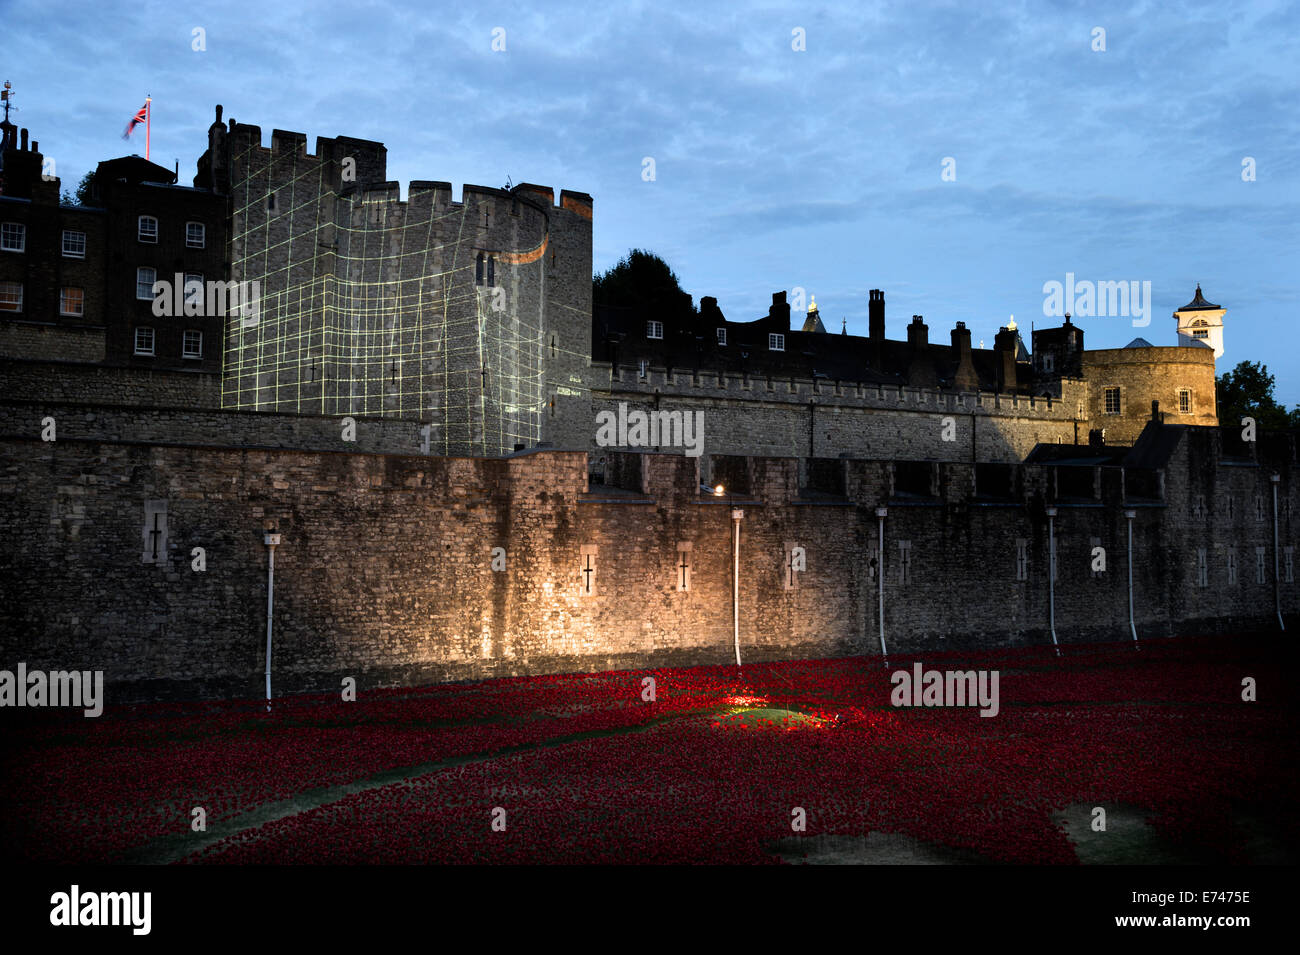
(369, 306)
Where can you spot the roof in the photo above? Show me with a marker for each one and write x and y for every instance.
(813, 323)
(1139, 342)
(1076, 455)
(1154, 446)
(1198, 304)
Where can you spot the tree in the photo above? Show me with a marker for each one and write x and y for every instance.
(1247, 391)
(82, 196)
(643, 281)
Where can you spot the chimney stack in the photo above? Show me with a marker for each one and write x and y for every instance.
(1004, 347)
(779, 312)
(920, 372)
(918, 334)
(876, 315)
(964, 378)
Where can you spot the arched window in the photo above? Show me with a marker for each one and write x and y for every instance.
(478, 270)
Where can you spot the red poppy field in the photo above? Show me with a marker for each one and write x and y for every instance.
(774, 762)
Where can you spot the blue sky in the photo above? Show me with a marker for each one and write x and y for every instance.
(775, 168)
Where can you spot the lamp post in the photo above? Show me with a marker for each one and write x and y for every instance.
(737, 515)
(1129, 514)
(880, 581)
(1276, 479)
(271, 540)
(1051, 576)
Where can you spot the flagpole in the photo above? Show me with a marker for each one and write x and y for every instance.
(148, 117)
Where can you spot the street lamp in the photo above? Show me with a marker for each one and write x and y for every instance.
(1051, 575)
(880, 580)
(271, 540)
(737, 515)
(1132, 626)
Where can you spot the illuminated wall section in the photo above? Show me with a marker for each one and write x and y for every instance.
(451, 313)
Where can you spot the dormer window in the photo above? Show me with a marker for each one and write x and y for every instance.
(775, 342)
(722, 336)
(654, 329)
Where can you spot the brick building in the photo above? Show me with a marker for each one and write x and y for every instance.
(77, 281)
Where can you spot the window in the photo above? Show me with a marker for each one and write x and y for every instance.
(1184, 401)
(1259, 565)
(1049, 362)
(148, 229)
(13, 237)
(722, 336)
(492, 271)
(1232, 565)
(775, 342)
(683, 570)
(478, 269)
(271, 205)
(654, 329)
(1022, 559)
(196, 235)
(194, 288)
(72, 301)
(74, 244)
(1261, 512)
(645, 367)
(1112, 400)
(1202, 570)
(144, 341)
(144, 279)
(11, 296)
(904, 562)
(192, 344)
(1200, 333)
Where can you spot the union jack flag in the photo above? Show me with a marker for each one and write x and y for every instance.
(141, 115)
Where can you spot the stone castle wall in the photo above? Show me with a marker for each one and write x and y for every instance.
(384, 571)
(818, 418)
(72, 381)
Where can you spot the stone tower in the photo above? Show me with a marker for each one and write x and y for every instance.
(1201, 322)
(472, 316)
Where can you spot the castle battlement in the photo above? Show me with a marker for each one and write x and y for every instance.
(371, 157)
(626, 378)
